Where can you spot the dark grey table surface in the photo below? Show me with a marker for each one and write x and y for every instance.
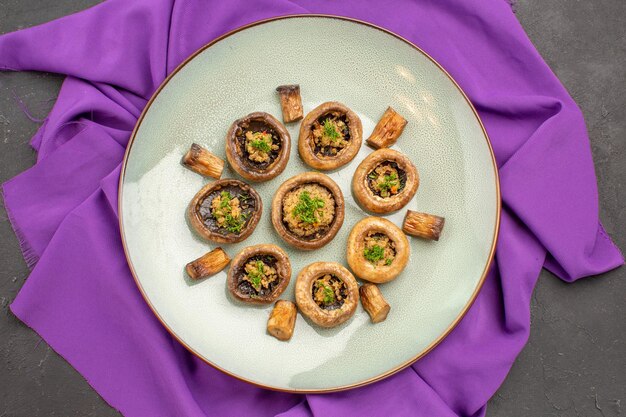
(575, 361)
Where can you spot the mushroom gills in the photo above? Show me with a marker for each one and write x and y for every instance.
(282, 320)
(387, 130)
(424, 225)
(203, 162)
(290, 102)
(209, 264)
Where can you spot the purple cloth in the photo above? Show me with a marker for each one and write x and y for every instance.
(81, 298)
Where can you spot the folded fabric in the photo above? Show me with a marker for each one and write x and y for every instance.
(81, 298)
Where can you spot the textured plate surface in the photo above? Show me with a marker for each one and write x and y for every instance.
(371, 70)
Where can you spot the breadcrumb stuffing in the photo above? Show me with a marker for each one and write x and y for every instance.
(308, 209)
(379, 249)
(328, 290)
(259, 274)
(259, 146)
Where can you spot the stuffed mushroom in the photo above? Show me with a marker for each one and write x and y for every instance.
(258, 146)
(308, 210)
(326, 293)
(385, 181)
(225, 211)
(330, 136)
(259, 274)
(377, 250)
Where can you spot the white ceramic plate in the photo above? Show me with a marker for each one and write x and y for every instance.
(368, 69)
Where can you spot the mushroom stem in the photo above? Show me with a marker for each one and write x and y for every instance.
(388, 129)
(290, 102)
(374, 302)
(209, 264)
(203, 162)
(282, 320)
(426, 226)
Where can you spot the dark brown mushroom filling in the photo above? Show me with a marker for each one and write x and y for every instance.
(308, 211)
(379, 249)
(257, 143)
(387, 179)
(330, 133)
(258, 276)
(329, 292)
(227, 209)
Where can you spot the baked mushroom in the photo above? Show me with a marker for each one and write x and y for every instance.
(259, 274)
(308, 210)
(330, 136)
(326, 293)
(385, 181)
(258, 146)
(377, 250)
(225, 211)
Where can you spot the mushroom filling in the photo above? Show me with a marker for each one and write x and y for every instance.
(330, 133)
(308, 210)
(227, 210)
(258, 276)
(387, 179)
(379, 249)
(329, 292)
(258, 143)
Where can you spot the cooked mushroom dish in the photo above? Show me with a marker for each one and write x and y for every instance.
(308, 210)
(259, 274)
(258, 146)
(327, 293)
(385, 181)
(330, 136)
(377, 250)
(225, 211)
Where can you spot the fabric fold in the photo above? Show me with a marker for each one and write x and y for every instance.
(81, 297)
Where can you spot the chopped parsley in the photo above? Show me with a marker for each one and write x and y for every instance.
(330, 131)
(388, 261)
(261, 141)
(256, 277)
(389, 182)
(329, 295)
(231, 223)
(306, 209)
(374, 254)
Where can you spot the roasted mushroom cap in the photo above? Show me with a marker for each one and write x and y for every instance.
(377, 250)
(308, 210)
(326, 293)
(385, 181)
(259, 274)
(330, 136)
(225, 211)
(258, 146)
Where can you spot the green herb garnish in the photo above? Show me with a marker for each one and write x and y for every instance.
(374, 254)
(330, 131)
(261, 145)
(232, 224)
(257, 276)
(372, 175)
(329, 295)
(388, 261)
(389, 181)
(306, 209)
